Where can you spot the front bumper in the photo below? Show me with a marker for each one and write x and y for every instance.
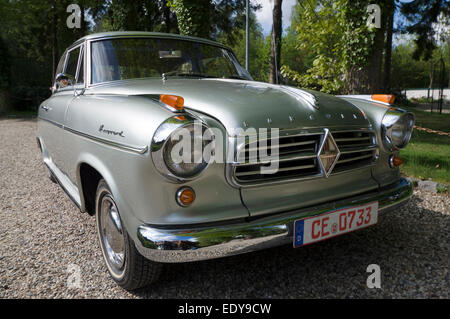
(187, 244)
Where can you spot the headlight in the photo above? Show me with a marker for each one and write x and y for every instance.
(183, 152)
(177, 148)
(397, 126)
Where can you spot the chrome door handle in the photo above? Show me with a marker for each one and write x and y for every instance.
(46, 108)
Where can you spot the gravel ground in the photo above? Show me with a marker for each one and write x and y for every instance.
(43, 235)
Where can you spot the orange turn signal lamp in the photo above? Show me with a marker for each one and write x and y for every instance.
(185, 196)
(386, 98)
(395, 161)
(174, 101)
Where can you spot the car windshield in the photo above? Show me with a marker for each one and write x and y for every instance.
(133, 58)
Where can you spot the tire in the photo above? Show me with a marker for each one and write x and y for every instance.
(129, 269)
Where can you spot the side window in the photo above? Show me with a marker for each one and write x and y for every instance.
(80, 79)
(60, 67)
(72, 62)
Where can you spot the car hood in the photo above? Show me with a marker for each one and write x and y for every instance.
(242, 104)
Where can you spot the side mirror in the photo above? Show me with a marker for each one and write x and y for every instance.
(63, 80)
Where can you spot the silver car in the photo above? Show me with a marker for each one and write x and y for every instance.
(181, 156)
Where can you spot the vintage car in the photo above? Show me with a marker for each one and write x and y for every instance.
(108, 137)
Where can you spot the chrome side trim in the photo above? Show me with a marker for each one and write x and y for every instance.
(135, 149)
(61, 184)
(184, 243)
(51, 122)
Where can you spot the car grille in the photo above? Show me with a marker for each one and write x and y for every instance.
(298, 156)
(358, 149)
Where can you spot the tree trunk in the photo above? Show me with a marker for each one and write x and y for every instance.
(388, 50)
(55, 40)
(83, 21)
(375, 61)
(448, 47)
(431, 75)
(167, 20)
(275, 51)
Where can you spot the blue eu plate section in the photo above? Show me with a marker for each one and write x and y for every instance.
(298, 232)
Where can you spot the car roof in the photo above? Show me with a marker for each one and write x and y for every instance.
(125, 34)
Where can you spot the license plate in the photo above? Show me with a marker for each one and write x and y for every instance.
(313, 229)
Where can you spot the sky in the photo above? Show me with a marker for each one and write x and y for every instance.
(264, 15)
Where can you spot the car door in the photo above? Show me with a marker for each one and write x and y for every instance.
(54, 110)
(70, 155)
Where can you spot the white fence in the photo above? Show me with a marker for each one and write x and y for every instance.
(418, 93)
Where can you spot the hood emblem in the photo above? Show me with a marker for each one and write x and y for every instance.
(328, 154)
(110, 132)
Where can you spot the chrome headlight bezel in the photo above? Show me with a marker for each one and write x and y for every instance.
(159, 145)
(389, 128)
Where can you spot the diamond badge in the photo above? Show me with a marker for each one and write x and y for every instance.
(329, 154)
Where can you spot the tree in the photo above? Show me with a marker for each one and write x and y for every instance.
(259, 49)
(275, 52)
(208, 18)
(422, 15)
(4, 76)
(138, 15)
(340, 44)
(390, 11)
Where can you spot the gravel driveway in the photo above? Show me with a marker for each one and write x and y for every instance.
(43, 237)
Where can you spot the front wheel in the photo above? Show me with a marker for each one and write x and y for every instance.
(125, 264)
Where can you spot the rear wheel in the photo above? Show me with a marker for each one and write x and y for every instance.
(126, 265)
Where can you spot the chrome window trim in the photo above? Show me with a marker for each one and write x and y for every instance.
(76, 85)
(89, 42)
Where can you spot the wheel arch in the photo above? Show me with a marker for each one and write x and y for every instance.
(90, 170)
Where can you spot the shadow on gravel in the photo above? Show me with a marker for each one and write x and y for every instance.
(18, 119)
(410, 245)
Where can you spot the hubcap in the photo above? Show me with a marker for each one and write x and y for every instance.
(112, 233)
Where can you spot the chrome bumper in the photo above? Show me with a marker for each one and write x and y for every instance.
(201, 243)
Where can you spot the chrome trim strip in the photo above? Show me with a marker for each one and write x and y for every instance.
(51, 122)
(135, 149)
(184, 243)
(63, 187)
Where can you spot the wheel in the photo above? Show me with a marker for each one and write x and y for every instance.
(125, 264)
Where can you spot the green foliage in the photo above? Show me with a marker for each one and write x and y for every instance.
(194, 16)
(334, 32)
(422, 14)
(139, 15)
(211, 18)
(259, 48)
(4, 65)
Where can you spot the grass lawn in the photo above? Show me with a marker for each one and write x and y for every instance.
(428, 155)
